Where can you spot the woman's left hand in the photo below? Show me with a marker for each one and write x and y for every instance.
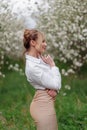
(48, 60)
(52, 93)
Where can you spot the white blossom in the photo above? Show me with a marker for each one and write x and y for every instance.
(64, 94)
(67, 87)
(11, 33)
(70, 71)
(66, 26)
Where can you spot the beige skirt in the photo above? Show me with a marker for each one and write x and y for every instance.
(43, 112)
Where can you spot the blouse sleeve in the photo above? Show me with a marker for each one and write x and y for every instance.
(50, 79)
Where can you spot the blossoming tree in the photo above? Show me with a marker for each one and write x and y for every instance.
(65, 24)
(11, 29)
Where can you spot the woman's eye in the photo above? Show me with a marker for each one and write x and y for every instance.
(43, 41)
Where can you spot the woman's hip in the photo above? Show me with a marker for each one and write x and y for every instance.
(42, 104)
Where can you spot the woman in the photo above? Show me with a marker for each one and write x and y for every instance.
(45, 77)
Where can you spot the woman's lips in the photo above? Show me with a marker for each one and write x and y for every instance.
(44, 47)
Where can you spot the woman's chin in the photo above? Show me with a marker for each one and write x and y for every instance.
(44, 50)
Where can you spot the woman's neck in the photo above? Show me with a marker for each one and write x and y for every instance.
(34, 54)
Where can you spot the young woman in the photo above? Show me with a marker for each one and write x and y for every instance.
(45, 77)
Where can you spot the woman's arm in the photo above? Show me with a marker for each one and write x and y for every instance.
(50, 79)
(49, 60)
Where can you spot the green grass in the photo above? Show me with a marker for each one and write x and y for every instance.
(16, 94)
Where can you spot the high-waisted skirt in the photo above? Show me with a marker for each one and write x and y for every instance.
(43, 112)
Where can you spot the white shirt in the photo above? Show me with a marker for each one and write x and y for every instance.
(41, 75)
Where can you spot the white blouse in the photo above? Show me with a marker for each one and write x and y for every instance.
(41, 75)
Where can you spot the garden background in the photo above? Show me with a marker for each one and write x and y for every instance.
(64, 24)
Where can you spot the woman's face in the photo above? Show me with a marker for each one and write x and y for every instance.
(40, 44)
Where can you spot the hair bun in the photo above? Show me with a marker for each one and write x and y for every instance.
(26, 34)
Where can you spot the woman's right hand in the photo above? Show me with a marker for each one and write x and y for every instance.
(48, 60)
(51, 92)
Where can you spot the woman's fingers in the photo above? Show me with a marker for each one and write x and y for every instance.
(46, 58)
(43, 58)
(52, 93)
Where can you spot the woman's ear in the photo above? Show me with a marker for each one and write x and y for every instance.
(33, 43)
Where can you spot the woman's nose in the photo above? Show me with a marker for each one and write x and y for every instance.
(45, 44)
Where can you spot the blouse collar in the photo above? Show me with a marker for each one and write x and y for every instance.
(33, 59)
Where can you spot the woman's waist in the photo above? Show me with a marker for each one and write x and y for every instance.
(42, 95)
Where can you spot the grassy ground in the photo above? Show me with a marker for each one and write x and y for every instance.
(16, 94)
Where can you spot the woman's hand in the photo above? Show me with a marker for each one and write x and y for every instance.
(52, 92)
(48, 60)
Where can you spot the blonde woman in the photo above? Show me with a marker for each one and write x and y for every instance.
(45, 77)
